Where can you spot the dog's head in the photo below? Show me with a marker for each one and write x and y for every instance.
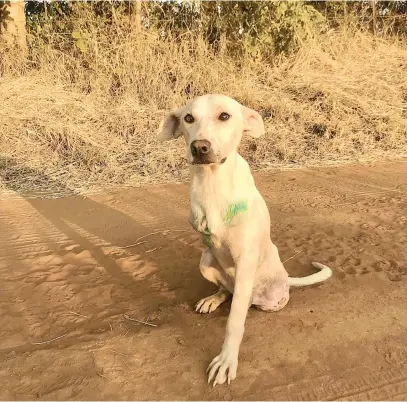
(212, 126)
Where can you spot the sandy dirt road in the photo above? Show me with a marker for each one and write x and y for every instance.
(66, 286)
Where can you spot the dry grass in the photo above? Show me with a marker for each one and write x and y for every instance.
(85, 121)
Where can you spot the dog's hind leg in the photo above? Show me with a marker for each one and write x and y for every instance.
(271, 294)
(213, 272)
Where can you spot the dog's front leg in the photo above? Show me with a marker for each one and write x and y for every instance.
(224, 366)
(197, 219)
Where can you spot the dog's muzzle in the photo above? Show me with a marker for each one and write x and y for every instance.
(202, 153)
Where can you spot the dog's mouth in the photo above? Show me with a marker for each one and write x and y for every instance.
(207, 161)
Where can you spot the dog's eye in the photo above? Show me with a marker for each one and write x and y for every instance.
(189, 118)
(224, 116)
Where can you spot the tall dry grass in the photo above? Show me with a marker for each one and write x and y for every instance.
(84, 120)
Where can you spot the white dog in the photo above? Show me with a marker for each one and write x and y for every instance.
(232, 216)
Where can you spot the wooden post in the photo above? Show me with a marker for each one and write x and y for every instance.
(345, 14)
(374, 16)
(45, 9)
(135, 15)
(13, 29)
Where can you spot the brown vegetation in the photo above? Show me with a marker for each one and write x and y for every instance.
(84, 108)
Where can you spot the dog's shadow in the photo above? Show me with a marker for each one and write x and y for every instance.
(168, 261)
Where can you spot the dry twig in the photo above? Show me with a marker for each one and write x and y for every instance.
(49, 341)
(298, 252)
(140, 322)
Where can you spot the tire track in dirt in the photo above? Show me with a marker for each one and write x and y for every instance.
(386, 384)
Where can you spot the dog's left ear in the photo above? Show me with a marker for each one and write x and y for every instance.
(252, 122)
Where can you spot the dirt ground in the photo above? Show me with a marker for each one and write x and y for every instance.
(69, 290)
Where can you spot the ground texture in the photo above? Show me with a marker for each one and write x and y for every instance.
(70, 290)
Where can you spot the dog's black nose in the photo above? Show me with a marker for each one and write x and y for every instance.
(200, 147)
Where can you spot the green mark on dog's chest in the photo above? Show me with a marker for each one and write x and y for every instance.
(234, 209)
(200, 223)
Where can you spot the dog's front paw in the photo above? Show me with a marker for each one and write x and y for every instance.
(223, 367)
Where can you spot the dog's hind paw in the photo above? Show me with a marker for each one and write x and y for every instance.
(211, 303)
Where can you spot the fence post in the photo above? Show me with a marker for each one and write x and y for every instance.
(374, 16)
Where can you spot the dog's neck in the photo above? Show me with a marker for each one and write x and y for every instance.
(215, 178)
(222, 184)
(216, 189)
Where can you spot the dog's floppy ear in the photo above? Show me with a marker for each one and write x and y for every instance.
(169, 126)
(252, 122)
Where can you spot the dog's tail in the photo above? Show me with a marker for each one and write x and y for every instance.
(324, 273)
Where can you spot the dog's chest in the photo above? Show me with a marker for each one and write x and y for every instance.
(216, 206)
(213, 221)
(208, 221)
